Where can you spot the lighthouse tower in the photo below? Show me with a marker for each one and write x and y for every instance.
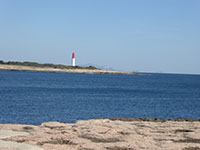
(73, 59)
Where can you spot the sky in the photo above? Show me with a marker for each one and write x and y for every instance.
(126, 35)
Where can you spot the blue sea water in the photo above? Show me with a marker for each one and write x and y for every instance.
(36, 97)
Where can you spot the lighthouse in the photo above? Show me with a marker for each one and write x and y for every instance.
(73, 59)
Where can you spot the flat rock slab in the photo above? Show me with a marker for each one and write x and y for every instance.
(10, 133)
(7, 145)
(53, 124)
(103, 134)
(17, 146)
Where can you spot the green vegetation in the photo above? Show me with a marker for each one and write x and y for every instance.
(34, 64)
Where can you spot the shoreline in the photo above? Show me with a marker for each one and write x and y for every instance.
(104, 134)
(5, 67)
(121, 119)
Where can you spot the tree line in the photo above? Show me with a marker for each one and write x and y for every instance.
(35, 64)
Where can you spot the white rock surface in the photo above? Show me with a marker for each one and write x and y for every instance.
(17, 146)
(9, 133)
(7, 145)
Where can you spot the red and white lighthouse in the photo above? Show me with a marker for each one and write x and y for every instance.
(73, 59)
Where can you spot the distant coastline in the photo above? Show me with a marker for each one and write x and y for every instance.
(36, 67)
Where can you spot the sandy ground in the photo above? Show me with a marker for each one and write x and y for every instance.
(104, 134)
(48, 69)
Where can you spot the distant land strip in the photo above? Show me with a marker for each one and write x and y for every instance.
(36, 67)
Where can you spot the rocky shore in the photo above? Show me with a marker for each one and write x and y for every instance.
(103, 134)
(51, 69)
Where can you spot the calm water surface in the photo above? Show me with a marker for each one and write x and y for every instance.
(34, 97)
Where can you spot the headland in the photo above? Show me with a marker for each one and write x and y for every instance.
(36, 67)
(103, 134)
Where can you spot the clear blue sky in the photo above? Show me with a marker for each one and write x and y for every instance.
(127, 35)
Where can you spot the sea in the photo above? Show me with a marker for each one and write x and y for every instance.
(37, 97)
